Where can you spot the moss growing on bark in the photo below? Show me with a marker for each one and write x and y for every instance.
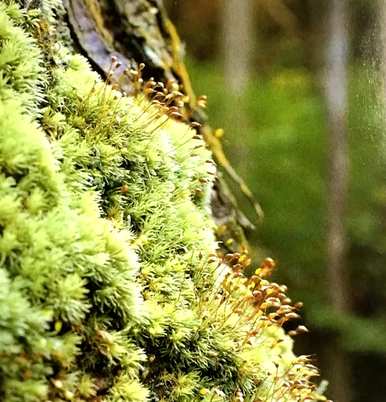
(111, 288)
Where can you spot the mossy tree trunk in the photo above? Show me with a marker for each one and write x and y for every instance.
(136, 32)
(112, 284)
(139, 31)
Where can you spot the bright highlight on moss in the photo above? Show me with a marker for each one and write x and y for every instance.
(110, 284)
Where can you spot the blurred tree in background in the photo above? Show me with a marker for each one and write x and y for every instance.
(278, 132)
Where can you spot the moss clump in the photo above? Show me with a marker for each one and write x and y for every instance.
(111, 287)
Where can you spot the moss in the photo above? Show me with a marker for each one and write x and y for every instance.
(112, 286)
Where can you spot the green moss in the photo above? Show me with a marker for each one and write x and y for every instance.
(21, 72)
(111, 285)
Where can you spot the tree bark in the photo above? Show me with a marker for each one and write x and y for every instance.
(336, 100)
(382, 40)
(237, 44)
(136, 32)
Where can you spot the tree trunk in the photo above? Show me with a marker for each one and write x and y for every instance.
(110, 284)
(137, 32)
(336, 98)
(336, 101)
(237, 44)
(237, 50)
(382, 38)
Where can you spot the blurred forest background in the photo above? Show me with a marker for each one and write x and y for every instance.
(299, 88)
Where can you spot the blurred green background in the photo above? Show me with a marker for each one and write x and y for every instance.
(273, 106)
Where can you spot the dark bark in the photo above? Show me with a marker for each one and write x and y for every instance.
(136, 32)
